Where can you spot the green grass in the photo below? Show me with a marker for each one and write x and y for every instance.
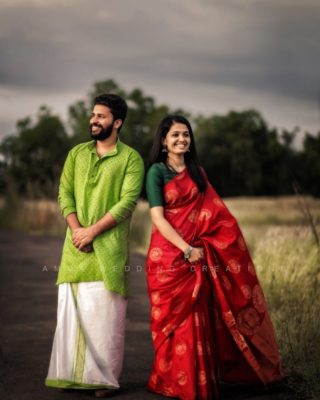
(287, 261)
(36, 217)
(285, 210)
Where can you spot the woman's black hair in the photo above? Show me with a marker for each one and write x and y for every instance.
(190, 157)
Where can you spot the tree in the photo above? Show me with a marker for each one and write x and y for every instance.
(79, 114)
(311, 163)
(242, 155)
(33, 157)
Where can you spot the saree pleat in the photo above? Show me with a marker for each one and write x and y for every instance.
(209, 321)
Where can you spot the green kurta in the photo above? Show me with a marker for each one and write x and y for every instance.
(92, 186)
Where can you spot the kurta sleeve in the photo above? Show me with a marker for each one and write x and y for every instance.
(154, 186)
(66, 188)
(131, 188)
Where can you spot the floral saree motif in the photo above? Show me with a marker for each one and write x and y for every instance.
(209, 321)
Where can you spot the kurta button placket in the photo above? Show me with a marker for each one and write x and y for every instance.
(95, 168)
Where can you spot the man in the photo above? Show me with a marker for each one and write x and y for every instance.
(99, 188)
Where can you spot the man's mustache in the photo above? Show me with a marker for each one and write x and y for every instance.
(96, 125)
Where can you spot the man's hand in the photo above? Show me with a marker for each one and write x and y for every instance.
(88, 248)
(82, 237)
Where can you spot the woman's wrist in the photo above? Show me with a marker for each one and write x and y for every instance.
(184, 246)
(188, 252)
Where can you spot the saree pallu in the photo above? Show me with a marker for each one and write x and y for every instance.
(209, 321)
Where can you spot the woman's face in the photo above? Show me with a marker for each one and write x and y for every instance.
(177, 139)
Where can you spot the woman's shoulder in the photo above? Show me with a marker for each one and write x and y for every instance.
(154, 179)
(157, 174)
(156, 169)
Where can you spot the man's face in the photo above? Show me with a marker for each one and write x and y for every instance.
(101, 122)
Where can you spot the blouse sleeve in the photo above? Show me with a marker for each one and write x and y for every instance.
(154, 186)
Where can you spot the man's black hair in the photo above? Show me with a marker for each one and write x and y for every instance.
(117, 105)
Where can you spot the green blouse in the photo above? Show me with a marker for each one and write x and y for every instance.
(157, 176)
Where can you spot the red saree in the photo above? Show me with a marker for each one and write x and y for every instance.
(209, 321)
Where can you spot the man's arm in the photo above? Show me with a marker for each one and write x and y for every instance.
(66, 198)
(66, 188)
(72, 221)
(131, 188)
(130, 192)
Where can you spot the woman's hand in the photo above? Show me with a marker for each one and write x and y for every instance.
(197, 255)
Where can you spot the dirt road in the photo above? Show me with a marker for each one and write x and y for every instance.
(28, 317)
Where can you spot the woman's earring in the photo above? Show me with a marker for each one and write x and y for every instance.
(164, 150)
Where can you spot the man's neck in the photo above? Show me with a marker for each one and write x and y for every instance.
(105, 146)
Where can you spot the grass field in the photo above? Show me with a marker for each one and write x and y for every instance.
(286, 255)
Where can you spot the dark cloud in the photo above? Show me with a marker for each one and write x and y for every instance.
(258, 46)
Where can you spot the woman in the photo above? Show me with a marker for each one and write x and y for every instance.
(209, 319)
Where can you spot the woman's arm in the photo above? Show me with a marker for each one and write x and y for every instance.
(169, 233)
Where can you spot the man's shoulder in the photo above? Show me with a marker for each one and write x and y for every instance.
(130, 151)
(81, 147)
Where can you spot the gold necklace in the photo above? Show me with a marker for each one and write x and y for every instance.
(174, 168)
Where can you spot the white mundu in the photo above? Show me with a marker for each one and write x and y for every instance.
(88, 344)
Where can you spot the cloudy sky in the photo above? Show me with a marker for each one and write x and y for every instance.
(205, 56)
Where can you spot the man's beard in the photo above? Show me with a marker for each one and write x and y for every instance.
(104, 134)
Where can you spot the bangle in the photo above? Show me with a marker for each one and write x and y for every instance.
(187, 253)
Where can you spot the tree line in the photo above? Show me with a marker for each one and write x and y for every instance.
(242, 155)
